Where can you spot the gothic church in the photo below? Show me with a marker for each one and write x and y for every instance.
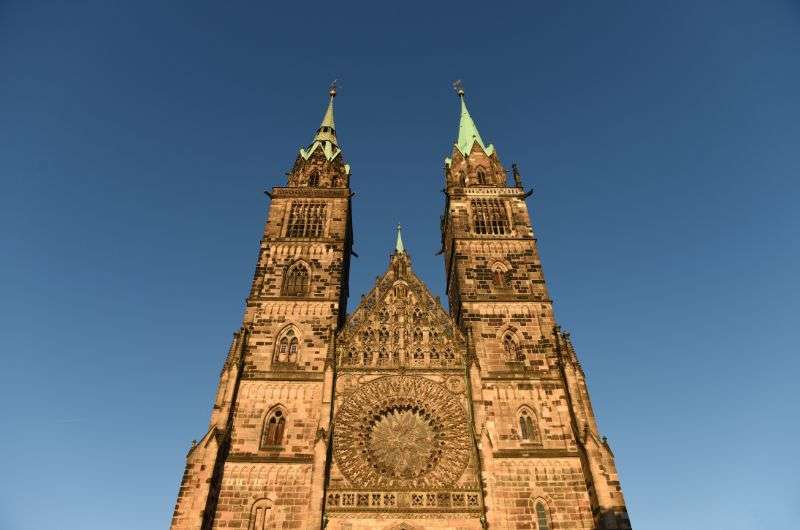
(402, 414)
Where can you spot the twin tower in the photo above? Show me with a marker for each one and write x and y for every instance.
(401, 415)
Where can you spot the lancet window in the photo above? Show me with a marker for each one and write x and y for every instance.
(306, 219)
(297, 281)
(498, 276)
(313, 179)
(528, 430)
(481, 178)
(287, 347)
(542, 517)
(512, 349)
(274, 426)
(489, 217)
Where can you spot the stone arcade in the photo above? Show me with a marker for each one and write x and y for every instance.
(401, 415)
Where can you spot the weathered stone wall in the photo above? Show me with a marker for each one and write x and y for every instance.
(515, 484)
(284, 488)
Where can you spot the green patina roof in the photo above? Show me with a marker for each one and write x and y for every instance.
(468, 132)
(398, 246)
(325, 137)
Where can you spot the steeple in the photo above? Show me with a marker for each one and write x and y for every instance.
(467, 130)
(325, 137)
(398, 246)
(327, 129)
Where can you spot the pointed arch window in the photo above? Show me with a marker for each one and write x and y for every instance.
(417, 335)
(498, 276)
(313, 179)
(261, 515)
(274, 427)
(527, 425)
(297, 281)
(287, 346)
(512, 349)
(542, 516)
(481, 178)
(367, 358)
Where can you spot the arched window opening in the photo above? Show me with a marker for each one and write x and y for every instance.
(418, 355)
(417, 335)
(542, 517)
(511, 349)
(417, 315)
(434, 355)
(498, 276)
(367, 358)
(313, 179)
(527, 426)
(261, 515)
(448, 355)
(383, 336)
(481, 178)
(274, 427)
(296, 283)
(288, 345)
(383, 357)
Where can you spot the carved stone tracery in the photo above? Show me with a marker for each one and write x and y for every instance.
(400, 432)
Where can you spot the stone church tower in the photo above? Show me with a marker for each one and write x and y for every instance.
(400, 415)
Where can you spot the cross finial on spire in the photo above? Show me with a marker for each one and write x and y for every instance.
(398, 246)
(332, 89)
(458, 87)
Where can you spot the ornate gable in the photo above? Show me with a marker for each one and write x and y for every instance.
(399, 324)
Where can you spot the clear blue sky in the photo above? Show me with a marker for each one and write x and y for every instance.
(662, 140)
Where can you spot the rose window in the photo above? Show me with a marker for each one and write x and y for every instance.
(401, 432)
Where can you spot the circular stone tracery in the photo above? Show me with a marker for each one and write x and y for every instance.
(401, 432)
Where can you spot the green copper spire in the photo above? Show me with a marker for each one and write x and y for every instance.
(325, 137)
(398, 246)
(327, 129)
(467, 130)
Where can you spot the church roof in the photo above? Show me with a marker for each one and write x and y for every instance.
(400, 323)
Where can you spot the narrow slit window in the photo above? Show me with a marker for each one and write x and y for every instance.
(542, 518)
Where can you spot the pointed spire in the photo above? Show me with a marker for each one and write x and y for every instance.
(398, 246)
(327, 129)
(467, 130)
(325, 137)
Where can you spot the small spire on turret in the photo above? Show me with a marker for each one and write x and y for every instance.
(398, 246)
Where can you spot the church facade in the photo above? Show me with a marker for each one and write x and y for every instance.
(401, 415)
